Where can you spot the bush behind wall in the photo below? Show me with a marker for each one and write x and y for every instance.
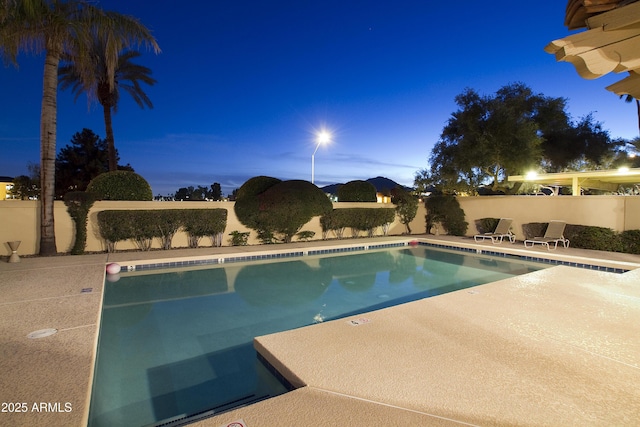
(445, 210)
(591, 237)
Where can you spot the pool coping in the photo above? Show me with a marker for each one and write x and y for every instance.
(338, 247)
(559, 346)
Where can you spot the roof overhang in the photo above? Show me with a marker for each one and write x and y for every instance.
(607, 180)
(610, 44)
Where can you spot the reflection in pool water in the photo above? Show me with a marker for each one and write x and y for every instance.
(175, 344)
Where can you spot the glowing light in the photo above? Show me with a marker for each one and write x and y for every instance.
(531, 175)
(623, 170)
(324, 137)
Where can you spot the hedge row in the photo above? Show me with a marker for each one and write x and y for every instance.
(591, 237)
(142, 226)
(357, 219)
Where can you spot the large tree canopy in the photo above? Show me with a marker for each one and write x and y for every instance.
(487, 139)
(491, 137)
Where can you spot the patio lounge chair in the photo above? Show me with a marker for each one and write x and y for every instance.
(502, 230)
(554, 234)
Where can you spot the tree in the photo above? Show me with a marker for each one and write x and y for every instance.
(216, 191)
(577, 146)
(512, 132)
(629, 99)
(486, 140)
(25, 188)
(406, 206)
(55, 28)
(192, 193)
(77, 164)
(98, 85)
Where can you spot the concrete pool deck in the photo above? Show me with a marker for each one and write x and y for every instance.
(560, 346)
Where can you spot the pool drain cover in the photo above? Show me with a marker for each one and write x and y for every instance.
(42, 333)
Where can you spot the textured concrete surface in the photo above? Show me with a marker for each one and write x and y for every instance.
(47, 379)
(562, 342)
(556, 347)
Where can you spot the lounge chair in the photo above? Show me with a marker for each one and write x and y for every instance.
(554, 234)
(503, 229)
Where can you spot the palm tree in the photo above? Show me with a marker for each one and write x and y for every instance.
(127, 76)
(56, 27)
(628, 99)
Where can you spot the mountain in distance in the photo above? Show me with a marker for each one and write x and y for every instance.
(381, 183)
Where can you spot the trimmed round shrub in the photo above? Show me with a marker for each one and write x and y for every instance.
(357, 191)
(247, 205)
(285, 207)
(120, 185)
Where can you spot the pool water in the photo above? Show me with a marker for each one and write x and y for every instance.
(177, 344)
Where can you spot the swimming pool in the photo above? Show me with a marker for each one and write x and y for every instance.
(176, 344)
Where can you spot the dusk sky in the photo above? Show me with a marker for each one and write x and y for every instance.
(243, 87)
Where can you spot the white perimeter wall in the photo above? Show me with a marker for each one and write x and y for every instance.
(19, 220)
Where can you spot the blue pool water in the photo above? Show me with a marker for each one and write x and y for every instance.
(176, 344)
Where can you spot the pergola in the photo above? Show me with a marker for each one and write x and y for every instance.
(610, 44)
(607, 180)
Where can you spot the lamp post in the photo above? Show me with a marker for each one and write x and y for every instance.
(323, 138)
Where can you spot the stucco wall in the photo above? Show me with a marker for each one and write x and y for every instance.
(19, 220)
(616, 212)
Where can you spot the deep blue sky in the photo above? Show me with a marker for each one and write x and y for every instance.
(244, 85)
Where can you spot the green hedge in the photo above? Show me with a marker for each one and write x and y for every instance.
(630, 241)
(142, 226)
(591, 237)
(168, 222)
(534, 229)
(199, 223)
(357, 219)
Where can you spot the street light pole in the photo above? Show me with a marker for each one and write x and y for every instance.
(323, 138)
